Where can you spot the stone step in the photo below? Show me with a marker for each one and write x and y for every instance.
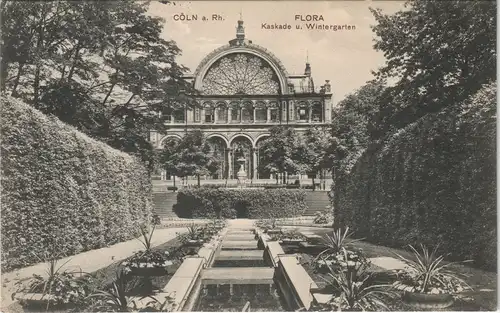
(240, 255)
(239, 245)
(240, 231)
(237, 237)
(238, 275)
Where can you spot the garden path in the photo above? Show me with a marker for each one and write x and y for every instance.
(89, 261)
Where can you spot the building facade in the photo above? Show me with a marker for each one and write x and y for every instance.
(244, 90)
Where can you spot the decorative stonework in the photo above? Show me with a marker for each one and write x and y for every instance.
(250, 49)
(240, 74)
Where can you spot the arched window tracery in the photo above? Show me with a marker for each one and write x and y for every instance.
(240, 74)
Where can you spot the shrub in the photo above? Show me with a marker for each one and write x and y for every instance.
(171, 188)
(248, 203)
(322, 218)
(432, 182)
(63, 189)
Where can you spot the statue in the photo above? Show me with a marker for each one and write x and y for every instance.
(241, 175)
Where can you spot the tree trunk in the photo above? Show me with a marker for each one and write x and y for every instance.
(16, 81)
(77, 54)
(314, 186)
(36, 82)
(283, 178)
(108, 94)
(174, 181)
(198, 178)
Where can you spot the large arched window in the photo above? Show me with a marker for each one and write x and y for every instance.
(240, 73)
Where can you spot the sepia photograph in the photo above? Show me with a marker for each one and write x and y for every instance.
(248, 156)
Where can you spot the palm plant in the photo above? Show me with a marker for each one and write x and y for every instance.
(146, 237)
(115, 298)
(429, 273)
(56, 285)
(354, 291)
(337, 241)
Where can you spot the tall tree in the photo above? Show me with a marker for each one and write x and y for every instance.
(440, 52)
(279, 152)
(167, 156)
(191, 156)
(350, 125)
(313, 152)
(101, 66)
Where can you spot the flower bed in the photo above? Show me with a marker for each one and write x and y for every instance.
(85, 292)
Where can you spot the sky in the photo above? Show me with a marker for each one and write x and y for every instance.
(345, 57)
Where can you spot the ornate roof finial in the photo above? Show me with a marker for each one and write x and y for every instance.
(240, 30)
(307, 71)
(241, 15)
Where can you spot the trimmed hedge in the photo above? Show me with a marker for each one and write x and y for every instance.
(245, 203)
(432, 182)
(63, 192)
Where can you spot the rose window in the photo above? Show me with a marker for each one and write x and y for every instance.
(240, 74)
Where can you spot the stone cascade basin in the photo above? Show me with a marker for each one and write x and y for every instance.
(238, 277)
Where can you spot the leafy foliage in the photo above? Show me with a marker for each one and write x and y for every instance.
(322, 218)
(192, 156)
(225, 203)
(431, 182)
(337, 241)
(62, 190)
(100, 66)
(350, 126)
(280, 152)
(432, 52)
(57, 286)
(427, 272)
(354, 290)
(312, 153)
(115, 299)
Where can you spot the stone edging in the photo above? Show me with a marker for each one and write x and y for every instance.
(183, 282)
(293, 275)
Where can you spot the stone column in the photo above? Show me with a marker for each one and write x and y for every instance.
(202, 115)
(254, 115)
(254, 159)
(241, 115)
(230, 161)
(215, 114)
(310, 114)
(228, 115)
(268, 115)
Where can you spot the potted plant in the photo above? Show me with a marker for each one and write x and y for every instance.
(147, 262)
(193, 237)
(354, 290)
(292, 237)
(270, 227)
(57, 288)
(427, 281)
(338, 252)
(115, 297)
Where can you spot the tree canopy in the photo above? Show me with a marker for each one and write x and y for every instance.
(190, 156)
(439, 52)
(280, 151)
(103, 67)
